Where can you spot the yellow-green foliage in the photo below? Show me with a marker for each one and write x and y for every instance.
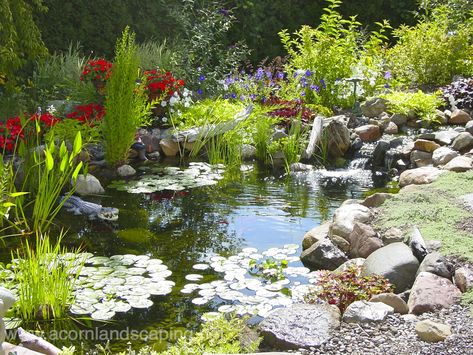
(421, 104)
(431, 52)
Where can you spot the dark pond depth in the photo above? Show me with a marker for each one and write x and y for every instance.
(256, 209)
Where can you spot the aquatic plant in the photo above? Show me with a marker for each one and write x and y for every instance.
(126, 105)
(269, 268)
(341, 288)
(42, 280)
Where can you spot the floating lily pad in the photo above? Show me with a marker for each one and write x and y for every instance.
(102, 315)
(194, 277)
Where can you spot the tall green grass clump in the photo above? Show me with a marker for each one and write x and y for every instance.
(126, 104)
(154, 54)
(44, 280)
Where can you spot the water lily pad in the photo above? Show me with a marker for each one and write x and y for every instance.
(226, 309)
(199, 301)
(102, 315)
(194, 277)
(200, 266)
(140, 303)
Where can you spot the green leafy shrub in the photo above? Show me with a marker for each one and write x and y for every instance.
(419, 103)
(126, 105)
(321, 58)
(431, 52)
(218, 336)
(345, 287)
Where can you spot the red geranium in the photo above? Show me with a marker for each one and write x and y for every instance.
(88, 113)
(99, 69)
(161, 83)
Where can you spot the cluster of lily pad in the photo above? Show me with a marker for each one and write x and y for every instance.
(109, 285)
(172, 178)
(242, 292)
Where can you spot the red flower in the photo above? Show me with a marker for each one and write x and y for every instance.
(101, 69)
(88, 113)
(160, 83)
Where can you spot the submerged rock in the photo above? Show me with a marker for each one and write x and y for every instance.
(300, 326)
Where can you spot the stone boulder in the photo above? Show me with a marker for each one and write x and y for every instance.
(315, 235)
(374, 107)
(346, 216)
(436, 264)
(391, 128)
(399, 119)
(459, 117)
(425, 145)
(432, 332)
(443, 155)
(464, 141)
(349, 263)
(379, 153)
(363, 241)
(364, 311)
(393, 300)
(248, 152)
(432, 292)
(417, 244)
(300, 326)
(169, 147)
(420, 159)
(377, 199)
(368, 133)
(392, 235)
(419, 176)
(338, 138)
(469, 127)
(88, 185)
(463, 278)
(396, 263)
(445, 137)
(459, 164)
(126, 171)
(323, 255)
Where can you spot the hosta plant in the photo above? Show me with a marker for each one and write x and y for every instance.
(345, 287)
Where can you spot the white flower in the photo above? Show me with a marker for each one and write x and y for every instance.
(163, 103)
(173, 100)
(51, 109)
(186, 104)
(164, 119)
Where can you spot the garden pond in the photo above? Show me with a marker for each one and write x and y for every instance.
(174, 256)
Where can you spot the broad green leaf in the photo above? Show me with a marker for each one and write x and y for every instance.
(62, 167)
(8, 204)
(49, 160)
(38, 126)
(62, 149)
(76, 172)
(77, 144)
(52, 146)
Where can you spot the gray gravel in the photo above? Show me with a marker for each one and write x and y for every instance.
(397, 336)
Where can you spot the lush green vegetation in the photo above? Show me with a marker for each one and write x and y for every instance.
(418, 103)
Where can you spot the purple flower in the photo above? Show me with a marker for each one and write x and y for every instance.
(224, 12)
(322, 82)
(308, 73)
(242, 97)
(295, 74)
(269, 75)
(280, 75)
(252, 96)
(315, 88)
(387, 75)
(259, 74)
(387, 86)
(200, 92)
(233, 95)
(302, 93)
(201, 78)
(229, 80)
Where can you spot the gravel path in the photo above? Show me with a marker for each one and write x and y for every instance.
(397, 336)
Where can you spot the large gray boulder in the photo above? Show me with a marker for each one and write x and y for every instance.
(443, 155)
(463, 278)
(88, 185)
(446, 137)
(420, 158)
(396, 263)
(459, 164)
(432, 292)
(346, 216)
(432, 332)
(463, 142)
(436, 264)
(364, 311)
(419, 176)
(459, 117)
(368, 133)
(393, 300)
(323, 255)
(300, 326)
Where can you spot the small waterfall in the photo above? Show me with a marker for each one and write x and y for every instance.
(362, 157)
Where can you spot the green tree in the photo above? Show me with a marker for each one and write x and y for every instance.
(20, 38)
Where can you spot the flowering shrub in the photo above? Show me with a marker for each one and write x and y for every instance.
(99, 69)
(14, 129)
(287, 109)
(345, 287)
(88, 113)
(161, 84)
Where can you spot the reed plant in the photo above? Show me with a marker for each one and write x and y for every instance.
(262, 137)
(153, 54)
(45, 279)
(226, 149)
(126, 104)
(293, 144)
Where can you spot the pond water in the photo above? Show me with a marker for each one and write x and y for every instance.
(257, 208)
